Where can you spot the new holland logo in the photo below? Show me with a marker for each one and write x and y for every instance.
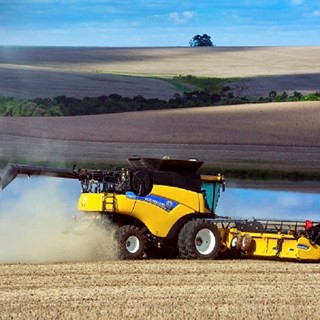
(169, 205)
(158, 201)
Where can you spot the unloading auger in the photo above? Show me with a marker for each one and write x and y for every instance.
(11, 171)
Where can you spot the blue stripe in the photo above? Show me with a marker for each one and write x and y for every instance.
(163, 203)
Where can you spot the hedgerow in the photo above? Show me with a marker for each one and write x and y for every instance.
(114, 103)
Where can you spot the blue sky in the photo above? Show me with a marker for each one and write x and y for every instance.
(127, 23)
(264, 204)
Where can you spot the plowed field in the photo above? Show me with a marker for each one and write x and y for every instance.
(278, 135)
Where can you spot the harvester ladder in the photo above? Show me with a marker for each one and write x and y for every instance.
(110, 201)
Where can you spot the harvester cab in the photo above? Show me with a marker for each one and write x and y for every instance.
(211, 187)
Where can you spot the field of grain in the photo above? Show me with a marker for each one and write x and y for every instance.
(28, 72)
(235, 289)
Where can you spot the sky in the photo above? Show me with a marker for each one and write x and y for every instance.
(159, 23)
(265, 204)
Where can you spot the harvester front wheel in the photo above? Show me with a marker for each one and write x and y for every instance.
(199, 239)
(131, 241)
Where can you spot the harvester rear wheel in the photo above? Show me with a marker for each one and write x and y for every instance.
(131, 241)
(199, 239)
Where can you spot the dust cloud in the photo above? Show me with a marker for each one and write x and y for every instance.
(36, 226)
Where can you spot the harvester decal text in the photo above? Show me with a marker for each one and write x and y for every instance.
(161, 202)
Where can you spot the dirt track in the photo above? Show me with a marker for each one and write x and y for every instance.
(160, 290)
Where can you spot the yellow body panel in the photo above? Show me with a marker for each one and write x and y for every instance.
(158, 218)
(159, 210)
(310, 252)
(277, 245)
(91, 202)
(158, 221)
(105, 202)
(185, 197)
(123, 204)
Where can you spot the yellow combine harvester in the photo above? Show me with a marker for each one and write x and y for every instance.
(164, 208)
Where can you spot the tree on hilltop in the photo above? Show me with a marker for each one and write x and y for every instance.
(201, 41)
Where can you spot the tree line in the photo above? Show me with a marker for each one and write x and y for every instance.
(114, 103)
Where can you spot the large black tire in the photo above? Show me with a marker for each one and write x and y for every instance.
(199, 239)
(183, 253)
(131, 241)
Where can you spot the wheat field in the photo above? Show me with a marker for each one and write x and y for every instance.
(30, 72)
(234, 289)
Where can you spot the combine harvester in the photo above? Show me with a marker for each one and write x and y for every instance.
(161, 208)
